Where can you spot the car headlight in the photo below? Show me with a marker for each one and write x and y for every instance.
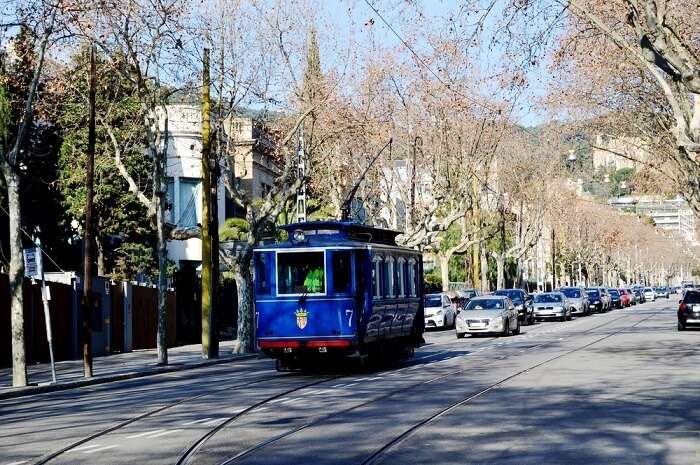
(497, 322)
(559, 309)
(438, 313)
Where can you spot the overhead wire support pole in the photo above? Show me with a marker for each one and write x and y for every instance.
(88, 303)
(301, 173)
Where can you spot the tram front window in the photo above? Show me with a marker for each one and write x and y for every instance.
(300, 273)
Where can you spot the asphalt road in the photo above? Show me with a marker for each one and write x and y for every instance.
(616, 388)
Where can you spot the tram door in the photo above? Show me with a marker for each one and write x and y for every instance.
(362, 291)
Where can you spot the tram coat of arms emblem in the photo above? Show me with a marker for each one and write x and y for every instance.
(302, 317)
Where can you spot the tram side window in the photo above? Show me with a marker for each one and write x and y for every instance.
(301, 273)
(401, 267)
(262, 280)
(376, 276)
(389, 281)
(412, 277)
(342, 271)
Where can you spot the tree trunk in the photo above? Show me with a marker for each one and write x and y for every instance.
(445, 271)
(500, 270)
(244, 288)
(101, 267)
(19, 363)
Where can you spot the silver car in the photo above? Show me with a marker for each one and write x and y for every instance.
(552, 305)
(488, 314)
(578, 300)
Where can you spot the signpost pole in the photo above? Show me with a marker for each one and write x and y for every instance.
(34, 268)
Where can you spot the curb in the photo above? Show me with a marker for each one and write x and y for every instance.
(32, 390)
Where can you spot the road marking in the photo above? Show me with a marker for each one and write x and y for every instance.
(194, 422)
(212, 422)
(86, 447)
(147, 433)
(165, 433)
(99, 449)
(19, 463)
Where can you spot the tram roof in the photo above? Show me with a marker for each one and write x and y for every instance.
(339, 233)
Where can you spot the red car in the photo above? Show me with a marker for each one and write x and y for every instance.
(625, 298)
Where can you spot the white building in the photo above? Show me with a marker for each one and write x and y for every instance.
(253, 166)
(672, 214)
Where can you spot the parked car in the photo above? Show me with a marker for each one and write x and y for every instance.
(689, 310)
(639, 294)
(606, 298)
(633, 297)
(462, 296)
(662, 292)
(488, 314)
(625, 297)
(522, 302)
(552, 305)
(649, 294)
(578, 299)
(615, 298)
(596, 302)
(439, 312)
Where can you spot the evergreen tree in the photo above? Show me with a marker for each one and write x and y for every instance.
(120, 218)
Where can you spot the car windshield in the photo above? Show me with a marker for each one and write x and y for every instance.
(593, 294)
(572, 293)
(691, 298)
(433, 301)
(485, 304)
(614, 293)
(514, 294)
(467, 294)
(300, 273)
(647, 289)
(547, 298)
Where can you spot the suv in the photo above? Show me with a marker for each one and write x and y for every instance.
(689, 310)
(578, 300)
(522, 302)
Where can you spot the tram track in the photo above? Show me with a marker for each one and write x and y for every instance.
(321, 419)
(57, 453)
(380, 454)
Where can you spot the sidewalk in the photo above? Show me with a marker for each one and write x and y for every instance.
(140, 363)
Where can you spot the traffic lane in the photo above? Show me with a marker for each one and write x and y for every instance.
(34, 426)
(631, 399)
(350, 436)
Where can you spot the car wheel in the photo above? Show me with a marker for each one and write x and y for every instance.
(570, 316)
(516, 331)
(531, 319)
(461, 335)
(506, 329)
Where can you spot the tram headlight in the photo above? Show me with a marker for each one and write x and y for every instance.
(298, 236)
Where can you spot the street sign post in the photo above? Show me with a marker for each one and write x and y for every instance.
(34, 268)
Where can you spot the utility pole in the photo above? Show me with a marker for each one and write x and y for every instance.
(88, 302)
(209, 346)
(301, 173)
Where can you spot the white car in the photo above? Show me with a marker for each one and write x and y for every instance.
(439, 311)
(649, 294)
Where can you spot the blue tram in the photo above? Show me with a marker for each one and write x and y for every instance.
(337, 288)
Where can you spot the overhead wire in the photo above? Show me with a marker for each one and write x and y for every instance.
(426, 66)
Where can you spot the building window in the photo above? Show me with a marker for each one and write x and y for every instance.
(401, 267)
(190, 202)
(170, 201)
(265, 189)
